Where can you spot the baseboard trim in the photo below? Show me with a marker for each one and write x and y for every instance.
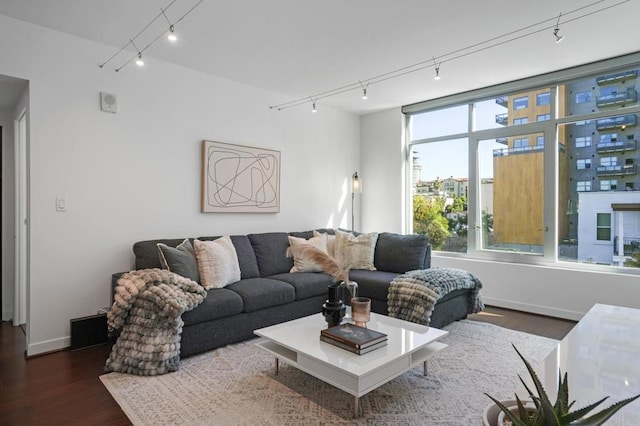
(52, 345)
(7, 315)
(534, 309)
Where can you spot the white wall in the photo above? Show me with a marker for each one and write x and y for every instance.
(136, 174)
(383, 176)
(6, 121)
(552, 291)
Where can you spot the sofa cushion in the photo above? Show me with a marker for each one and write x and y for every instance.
(401, 253)
(180, 260)
(146, 252)
(306, 284)
(372, 284)
(261, 293)
(219, 303)
(355, 252)
(246, 256)
(271, 252)
(217, 262)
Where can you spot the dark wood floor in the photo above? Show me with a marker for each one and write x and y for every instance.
(63, 388)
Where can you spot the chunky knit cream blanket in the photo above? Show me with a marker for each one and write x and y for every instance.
(413, 295)
(147, 309)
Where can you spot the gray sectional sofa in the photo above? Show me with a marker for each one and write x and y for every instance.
(268, 293)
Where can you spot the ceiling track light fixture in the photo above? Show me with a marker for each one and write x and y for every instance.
(139, 61)
(313, 106)
(364, 90)
(171, 36)
(559, 38)
(511, 36)
(437, 67)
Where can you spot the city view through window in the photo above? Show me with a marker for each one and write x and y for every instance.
(565, 187)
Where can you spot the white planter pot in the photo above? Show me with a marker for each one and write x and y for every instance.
(494, 416)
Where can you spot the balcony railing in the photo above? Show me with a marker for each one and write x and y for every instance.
(503, 101)
(617, 146)
(503, 141)
(630, 96)
(618, 170)
(617, 121)
(629, 246)
(613, 78)
(502, 119)
(504, 152)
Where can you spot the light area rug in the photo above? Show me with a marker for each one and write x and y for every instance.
(236, 385)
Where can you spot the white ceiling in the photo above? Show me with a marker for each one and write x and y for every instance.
(300, 48)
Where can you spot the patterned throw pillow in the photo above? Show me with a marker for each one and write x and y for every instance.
(180, 260)
(217, 262)
(302, 262)
(355, 252)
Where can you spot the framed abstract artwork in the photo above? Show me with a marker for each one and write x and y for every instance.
(239, 179)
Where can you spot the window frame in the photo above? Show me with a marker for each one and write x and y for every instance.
(550, 131)
(599, 227)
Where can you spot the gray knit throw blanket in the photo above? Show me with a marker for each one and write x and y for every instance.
(147, 308)
(413, 295)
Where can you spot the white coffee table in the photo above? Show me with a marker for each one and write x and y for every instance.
(298, 343)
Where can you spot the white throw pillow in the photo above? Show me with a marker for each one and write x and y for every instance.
(331, 242)
(217, 262)
(355, 252)
(301, 262)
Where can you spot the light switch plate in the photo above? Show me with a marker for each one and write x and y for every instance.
(61, 204)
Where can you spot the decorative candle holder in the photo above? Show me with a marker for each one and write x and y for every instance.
(333, 309)
(361, 310)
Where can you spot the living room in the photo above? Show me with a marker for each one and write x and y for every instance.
(136, 174)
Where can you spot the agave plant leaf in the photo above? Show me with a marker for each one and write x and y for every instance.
(562, 401)
(604, 415)
(568, 417)
(550, 417)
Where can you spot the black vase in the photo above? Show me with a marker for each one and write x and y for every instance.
(334, 309)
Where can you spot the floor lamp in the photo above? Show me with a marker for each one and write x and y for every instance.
(356, 188)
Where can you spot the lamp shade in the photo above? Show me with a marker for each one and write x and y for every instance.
(356, 184)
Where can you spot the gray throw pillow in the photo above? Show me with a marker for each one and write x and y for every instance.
(401, 253)
(180, 260)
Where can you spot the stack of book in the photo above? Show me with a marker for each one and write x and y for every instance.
(353, 338)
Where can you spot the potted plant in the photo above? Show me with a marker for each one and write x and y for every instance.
(540, 411)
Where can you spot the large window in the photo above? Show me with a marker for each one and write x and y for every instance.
(534, 172)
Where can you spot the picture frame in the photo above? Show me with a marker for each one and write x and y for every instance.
(239, 179)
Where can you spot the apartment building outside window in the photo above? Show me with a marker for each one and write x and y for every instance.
(543, 98)
(583, 141)
(583, 97)
(603, 229)
(608, 185)
(583, 185)
(583, 164)
(525, 170)
(521, 103)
